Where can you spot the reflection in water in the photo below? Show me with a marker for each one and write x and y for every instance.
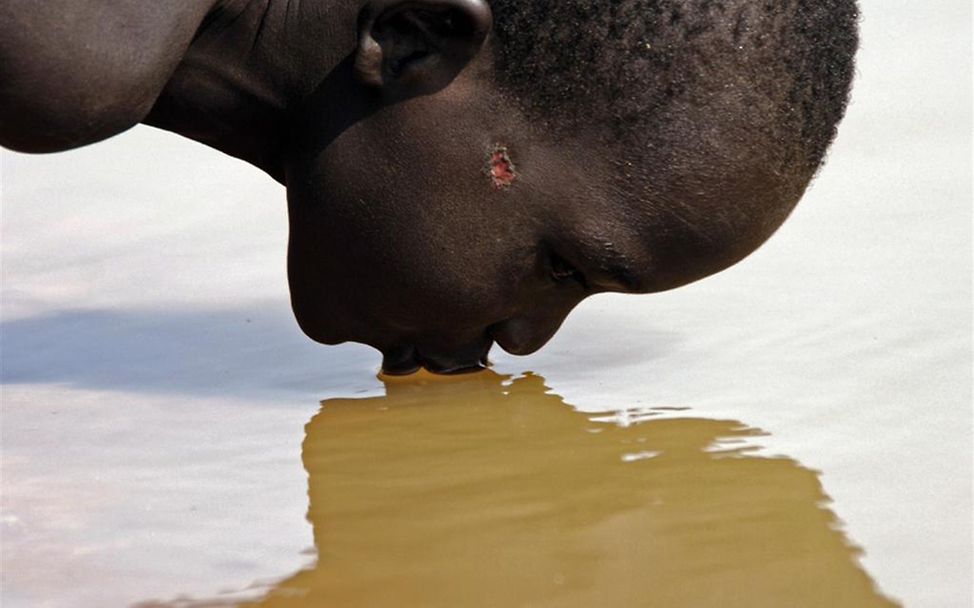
(482, 491)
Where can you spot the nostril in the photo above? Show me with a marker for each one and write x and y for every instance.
(527, 332)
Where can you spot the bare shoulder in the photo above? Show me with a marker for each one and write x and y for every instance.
(73, 72)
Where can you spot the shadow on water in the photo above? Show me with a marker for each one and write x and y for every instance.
(252, 352)
(248, 352)
(488, 491)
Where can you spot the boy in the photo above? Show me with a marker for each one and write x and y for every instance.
(461, 172)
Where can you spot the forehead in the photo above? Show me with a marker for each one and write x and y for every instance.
(681, 212)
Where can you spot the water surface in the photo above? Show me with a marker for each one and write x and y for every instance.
(484, 490)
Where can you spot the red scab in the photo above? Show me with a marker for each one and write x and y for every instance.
(501, 168)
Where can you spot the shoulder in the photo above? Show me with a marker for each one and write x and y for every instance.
(73, 72)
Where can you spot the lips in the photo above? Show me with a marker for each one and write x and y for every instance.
(520, 335)
(402, 360)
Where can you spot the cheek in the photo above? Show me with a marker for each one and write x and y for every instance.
(407, 254)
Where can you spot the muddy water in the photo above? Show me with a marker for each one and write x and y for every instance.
(487, 490)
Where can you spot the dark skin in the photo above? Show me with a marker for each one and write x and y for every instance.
(428, 217)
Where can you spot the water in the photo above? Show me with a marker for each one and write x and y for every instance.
(490, 491)
(795, 431)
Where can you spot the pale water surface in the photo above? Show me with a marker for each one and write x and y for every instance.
(795, 431)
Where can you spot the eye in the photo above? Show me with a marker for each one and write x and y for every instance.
(563, 272)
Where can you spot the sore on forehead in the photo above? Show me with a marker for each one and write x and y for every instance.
(500, 167)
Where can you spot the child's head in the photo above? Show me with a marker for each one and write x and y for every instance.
(475, 169)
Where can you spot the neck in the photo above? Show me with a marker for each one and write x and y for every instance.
(251, 63)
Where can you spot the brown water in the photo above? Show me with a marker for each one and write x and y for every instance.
(484, 490)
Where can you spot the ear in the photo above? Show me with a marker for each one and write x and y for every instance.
(415, 47)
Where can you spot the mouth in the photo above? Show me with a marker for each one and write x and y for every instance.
(516, 335)
(404, 360)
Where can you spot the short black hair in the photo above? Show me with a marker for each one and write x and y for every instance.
(783, 67)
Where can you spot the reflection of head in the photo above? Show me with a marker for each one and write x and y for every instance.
(481, 491)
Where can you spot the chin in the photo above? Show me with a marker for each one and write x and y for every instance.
(323, 333)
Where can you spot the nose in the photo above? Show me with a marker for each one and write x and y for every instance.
(526, 333)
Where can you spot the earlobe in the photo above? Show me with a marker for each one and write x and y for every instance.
(415, 47)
